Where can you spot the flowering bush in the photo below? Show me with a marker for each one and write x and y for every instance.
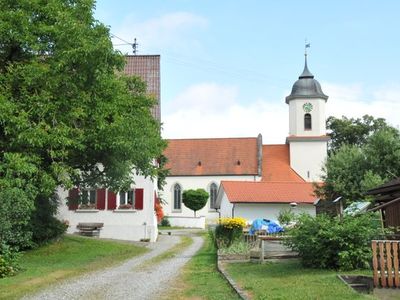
(87, 206)
(229, 230)
(159, 210)
(125, 206)
(232, 223)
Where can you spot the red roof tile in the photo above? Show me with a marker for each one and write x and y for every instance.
(268, 192)
(224, 156)
(276, 164)
(147, 67)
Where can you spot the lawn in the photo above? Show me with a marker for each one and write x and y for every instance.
(70, 256)
(289, 280)
(200, 278)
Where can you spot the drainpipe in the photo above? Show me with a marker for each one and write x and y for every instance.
(233, 210)
(145, 230)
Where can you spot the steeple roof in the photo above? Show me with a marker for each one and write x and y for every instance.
(306, 86)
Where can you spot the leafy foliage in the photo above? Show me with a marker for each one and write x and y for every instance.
(67, 114)
(324, 242)
(195, 199)
(165, 222)
(228, 231)
(350, 131)
(352, 169)
(286, 216)
(8, 261)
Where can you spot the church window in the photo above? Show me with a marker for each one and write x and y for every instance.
(177, 197)
(213, 195)
(307, 122)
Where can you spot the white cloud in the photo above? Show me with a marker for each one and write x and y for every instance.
(356, 101)
(211, 110)
(205, 97)
(172, 30)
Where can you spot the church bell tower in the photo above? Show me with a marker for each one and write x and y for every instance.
(307, 126)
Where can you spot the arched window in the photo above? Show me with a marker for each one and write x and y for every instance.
(177, 197)
(307, 122)
(213, 195)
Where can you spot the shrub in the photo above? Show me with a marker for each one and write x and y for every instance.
(8, 261)
(228, 231)
(44, 225)
(325, 242)
(195, 199)
(238, 246)
(286, 216)
(165, 222)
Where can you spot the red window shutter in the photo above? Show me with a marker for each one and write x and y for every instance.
(73, 197)
(138, 198)
(112, 200)
(101, 199)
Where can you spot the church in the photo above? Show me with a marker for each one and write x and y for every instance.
(246, 178)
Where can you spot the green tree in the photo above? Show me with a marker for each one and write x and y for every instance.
(353, 169)
(195, 199)
(67, 114)
(351, 131)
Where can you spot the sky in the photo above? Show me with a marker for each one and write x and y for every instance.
(227, 65)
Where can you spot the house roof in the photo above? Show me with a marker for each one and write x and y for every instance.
(147, 67)
(276, 164)
(268, 192)
(218, 156)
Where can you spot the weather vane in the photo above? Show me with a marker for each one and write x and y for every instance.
(306, 45)
(135, 47)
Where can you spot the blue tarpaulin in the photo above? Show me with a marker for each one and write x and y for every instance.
(268, 225)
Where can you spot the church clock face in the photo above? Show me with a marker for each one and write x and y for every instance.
(307, 107)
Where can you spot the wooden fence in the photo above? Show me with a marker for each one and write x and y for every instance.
(385, 263)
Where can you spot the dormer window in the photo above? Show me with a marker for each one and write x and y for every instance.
(307, 122)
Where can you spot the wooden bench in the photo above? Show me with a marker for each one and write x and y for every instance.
(90, 229)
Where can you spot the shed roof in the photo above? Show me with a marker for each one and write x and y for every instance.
(268, 192)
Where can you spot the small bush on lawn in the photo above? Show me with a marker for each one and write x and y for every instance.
(229, 230)
(165, 222)
(8, 261)
(325, 242)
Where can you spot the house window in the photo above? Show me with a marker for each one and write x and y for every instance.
(307, 122)
(177, 197)
(213, 195)
(126, 198)
(89, 196)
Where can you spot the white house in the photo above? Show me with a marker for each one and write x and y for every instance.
(127, 215)
(260, 180)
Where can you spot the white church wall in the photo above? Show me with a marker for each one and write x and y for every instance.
(195, 182)
(124, 224)
(188, 222)
(270, 211)
(307, 158)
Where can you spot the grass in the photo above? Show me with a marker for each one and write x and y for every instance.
(200, 278)
(182, 245)
(170, 227)
(289, 280)
(71, 256)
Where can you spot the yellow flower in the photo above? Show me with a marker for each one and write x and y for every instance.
(232, 223)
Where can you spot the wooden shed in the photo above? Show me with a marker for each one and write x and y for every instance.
(387, 199)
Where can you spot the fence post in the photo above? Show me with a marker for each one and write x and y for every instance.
(375, 263)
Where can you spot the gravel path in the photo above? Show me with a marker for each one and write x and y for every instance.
(129, 280)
